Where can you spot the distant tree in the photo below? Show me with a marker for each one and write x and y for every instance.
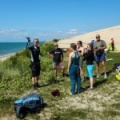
(56, 40)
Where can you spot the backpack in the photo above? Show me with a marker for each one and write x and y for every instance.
(30, 103)
(117, 67)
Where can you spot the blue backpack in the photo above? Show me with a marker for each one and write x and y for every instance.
(30, 103)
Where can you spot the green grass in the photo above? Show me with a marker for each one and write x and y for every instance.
(15, 81)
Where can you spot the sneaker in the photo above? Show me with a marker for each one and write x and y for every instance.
(97, 76)
(105, 76)
(63, 75)
(37, 85)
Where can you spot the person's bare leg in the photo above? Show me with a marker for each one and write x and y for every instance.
(104, 69)
(33, 80)
(55, 71)
(91, 83)
(62, 70)
(82, 75)
(97, 68)
(37, 78)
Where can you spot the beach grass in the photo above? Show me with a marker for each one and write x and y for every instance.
(100, 104)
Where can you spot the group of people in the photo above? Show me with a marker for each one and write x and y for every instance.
(56, 54)
(77, 56)
(92, 53)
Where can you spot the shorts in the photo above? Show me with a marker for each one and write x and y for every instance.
(100, 58)
(60, 65)
(90, 70)
(35, 68)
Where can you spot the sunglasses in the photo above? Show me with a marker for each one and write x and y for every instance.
(98, 37)
(36, 42)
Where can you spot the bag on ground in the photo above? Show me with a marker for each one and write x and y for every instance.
(117, 67)
(30, 103)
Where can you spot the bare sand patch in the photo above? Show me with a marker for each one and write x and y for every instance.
(106, 34)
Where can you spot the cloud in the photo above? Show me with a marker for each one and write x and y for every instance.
(58, 33)
(17, 34)
(12, 33)
(42, 34)
(72, 31)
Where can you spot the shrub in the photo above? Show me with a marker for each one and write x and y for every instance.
(56, 40)
(45, 48)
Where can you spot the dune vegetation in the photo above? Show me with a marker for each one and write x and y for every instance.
(102, 103)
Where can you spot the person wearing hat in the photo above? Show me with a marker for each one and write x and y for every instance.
(57, 54)
(99, 52)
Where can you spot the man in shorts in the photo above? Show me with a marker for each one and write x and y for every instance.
(99, 51)
(35, 62)
(57, 55)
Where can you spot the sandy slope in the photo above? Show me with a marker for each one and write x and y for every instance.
(106, 34)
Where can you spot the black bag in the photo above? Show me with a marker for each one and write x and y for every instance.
(30, 103)
(99, 53)
(116, 65)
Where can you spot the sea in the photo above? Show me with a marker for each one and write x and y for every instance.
(9, 48)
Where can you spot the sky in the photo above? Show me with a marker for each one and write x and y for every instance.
(55, 19)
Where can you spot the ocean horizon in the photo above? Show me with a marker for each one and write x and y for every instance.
(8, 48)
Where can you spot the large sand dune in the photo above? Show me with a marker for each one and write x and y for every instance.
(106, 34)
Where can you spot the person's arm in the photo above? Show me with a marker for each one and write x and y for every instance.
(61, 55)
(50, 53)
(81, 71)
(28, 42)
(82, 51)
(103, 46)
(69, 61)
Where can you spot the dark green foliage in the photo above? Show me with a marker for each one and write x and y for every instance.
(46, 48)
(56, 40)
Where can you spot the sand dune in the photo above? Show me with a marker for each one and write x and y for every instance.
(106, 34)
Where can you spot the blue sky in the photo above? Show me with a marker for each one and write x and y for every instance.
(49, 19)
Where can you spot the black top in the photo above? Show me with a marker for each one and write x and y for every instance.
(35, 53)
(57, 54)
(89, 57)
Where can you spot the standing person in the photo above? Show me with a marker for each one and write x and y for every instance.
(74, 69)
(57, 55)
(99, 51)
(80, 49)
(35, 62)
(89, 58)
(112, 44)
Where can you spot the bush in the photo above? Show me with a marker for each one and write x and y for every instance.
(45, 48)
(56, 40)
